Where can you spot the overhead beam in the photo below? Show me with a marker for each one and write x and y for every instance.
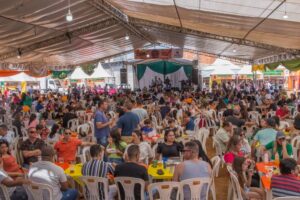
(61, 38)
(238, 41)
(276, 58)
(112, 11)
(232, 59)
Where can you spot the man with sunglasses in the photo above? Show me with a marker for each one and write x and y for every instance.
(67, 147)
(280, 146)
(31, 148)
(192, 167)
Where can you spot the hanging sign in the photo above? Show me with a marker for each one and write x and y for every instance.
(158, 53)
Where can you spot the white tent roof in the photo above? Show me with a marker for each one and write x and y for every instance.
(247, 70)
(78, 73)
(220, 67)
(19, 78)
(100, 72)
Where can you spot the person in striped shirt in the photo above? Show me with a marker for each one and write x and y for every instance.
(288, 182)
(97, 167)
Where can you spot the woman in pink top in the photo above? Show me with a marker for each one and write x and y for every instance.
(33, 121)
(233, 149)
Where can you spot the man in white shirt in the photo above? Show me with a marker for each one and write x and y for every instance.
(223, 135)
(5, 134)
(46, 172)
(14, 186)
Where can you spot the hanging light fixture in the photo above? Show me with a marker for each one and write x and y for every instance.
(127, 37)
(234, 50)
(69, 16)
(285, 16)
(19, 53)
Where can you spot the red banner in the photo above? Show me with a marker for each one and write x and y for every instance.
(157, 53)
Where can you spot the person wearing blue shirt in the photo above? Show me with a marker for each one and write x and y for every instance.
(127, 123)
(189, 121)
(102, 124)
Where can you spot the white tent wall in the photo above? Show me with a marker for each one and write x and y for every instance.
(114, 70)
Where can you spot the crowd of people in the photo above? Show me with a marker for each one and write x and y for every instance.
(129, 131)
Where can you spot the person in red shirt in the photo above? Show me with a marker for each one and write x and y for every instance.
(283, 111)
(67, 147)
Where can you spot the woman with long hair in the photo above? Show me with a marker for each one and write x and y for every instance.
(115, 148)
(202, 154)
(10, 164)
(244, 172)
(233, 149)
(169, 148)
(54, 134)
(33, 121)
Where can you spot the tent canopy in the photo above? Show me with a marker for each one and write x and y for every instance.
(242, 29)
(19, 78)
(78, 74)
(100, 72)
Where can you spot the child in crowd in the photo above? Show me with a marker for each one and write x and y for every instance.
(147, 129)
(115, 147)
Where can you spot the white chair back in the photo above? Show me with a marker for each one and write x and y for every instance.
(202, 136)
(85, 154)
(283, 125)
(88, 117)
(15, 130)
(196, 122)
(73, 124)
(219, 151)
(216, 161)
(4, 192)
(196, 186)
(39, 191)
(91, 189)
(80, 113)
(128, 183)
(296, 146)
(83, 128)
(237, 194)
(164, 190)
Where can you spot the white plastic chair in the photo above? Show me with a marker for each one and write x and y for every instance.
(88, 117)
(296, 146)
(80, 113)
(39, 191)
(128, 183)
(255, 116)
(85, 153)
(83, 128)
(73, 124)
(164, 189)
(196, 122)
(91, 189)
(283, 125)
(196, 187)
(4, 192)
(203, 133)
(216, 161)
(237, 194)
(287, 198)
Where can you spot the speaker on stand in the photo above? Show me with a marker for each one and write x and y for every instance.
(123, 76)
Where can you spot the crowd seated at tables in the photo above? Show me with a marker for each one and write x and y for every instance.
(152, 136)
